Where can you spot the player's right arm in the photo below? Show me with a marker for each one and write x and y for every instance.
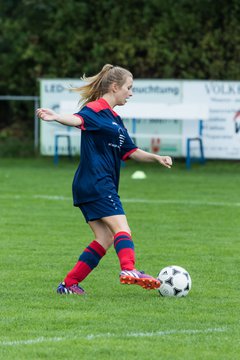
(50, 115)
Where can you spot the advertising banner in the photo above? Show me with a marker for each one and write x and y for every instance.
(221, 132)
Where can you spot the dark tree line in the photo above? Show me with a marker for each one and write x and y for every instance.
(181, 39)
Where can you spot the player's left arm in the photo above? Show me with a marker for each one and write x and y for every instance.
(144, 156)
(68, 119)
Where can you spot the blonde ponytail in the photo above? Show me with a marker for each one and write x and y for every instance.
(99, 84)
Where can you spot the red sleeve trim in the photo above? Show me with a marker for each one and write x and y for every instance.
(126, 156)
(82, 127)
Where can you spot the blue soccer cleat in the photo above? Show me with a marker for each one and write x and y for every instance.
(74, 289)
(135, 277)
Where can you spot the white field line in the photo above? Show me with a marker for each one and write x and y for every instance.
(139, 201)
(109, 336)
(182, 202)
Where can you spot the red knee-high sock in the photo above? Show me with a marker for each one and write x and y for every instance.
(88, 260)
(125, 250)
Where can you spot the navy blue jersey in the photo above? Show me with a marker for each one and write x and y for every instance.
(104, 143)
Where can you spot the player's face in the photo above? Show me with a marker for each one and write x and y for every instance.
(125, 91)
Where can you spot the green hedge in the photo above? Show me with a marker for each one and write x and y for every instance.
(187, 39)
(15, 147)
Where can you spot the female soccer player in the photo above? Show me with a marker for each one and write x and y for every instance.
(104, 143)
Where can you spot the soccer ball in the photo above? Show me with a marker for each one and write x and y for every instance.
(175, 281)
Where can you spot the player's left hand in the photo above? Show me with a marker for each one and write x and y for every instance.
(165, 161)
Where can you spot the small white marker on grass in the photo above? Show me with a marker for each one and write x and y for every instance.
(138, 175)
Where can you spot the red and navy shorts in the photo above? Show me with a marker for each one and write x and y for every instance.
(107, 206)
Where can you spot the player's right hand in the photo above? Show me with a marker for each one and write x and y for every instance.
(46, 114)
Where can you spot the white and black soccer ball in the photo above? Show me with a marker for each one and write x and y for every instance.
(175, 281)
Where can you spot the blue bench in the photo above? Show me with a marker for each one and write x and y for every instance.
(64, 135)
(189, 140)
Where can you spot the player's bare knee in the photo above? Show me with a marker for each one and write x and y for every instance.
(127, 230)
(110, 240)
(106, 241)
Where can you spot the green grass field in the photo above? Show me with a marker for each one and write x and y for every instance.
(186, 218)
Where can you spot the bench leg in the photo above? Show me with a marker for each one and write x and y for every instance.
(188, 157)
(69, 147)
(55, 160)
(202, 158)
